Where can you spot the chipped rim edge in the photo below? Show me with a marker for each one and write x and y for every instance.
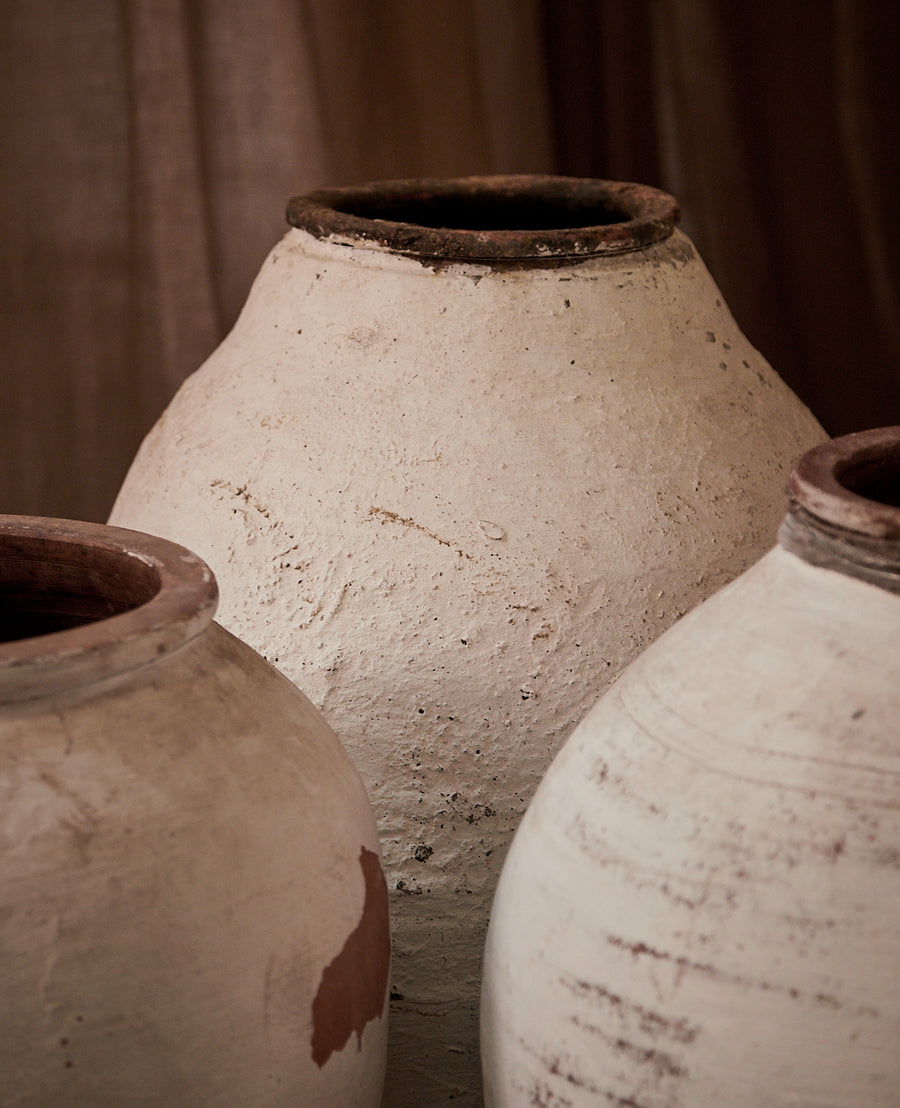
(181, 607)
(649, 216)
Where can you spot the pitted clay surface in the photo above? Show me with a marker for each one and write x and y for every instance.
(452, 505)
(703, 891)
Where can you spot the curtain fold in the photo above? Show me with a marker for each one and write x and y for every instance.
(773, 125)
(149, 147)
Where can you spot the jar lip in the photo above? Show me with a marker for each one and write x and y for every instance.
(585, 217)
(159, 594)
(831, 481)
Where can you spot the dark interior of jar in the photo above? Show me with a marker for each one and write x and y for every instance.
(487, 212)
(52, 585)
(875, 476)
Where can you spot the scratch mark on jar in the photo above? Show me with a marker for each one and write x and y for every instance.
(661, 1062)
(387, 516)
(242, 494)
(640, 949)
(647, 1021)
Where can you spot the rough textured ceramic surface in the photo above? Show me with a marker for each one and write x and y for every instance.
(192, 905)
(700, 906)
(450, 497)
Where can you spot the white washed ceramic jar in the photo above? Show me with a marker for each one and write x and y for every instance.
(192, 905)
(453, 468)
(700, 906)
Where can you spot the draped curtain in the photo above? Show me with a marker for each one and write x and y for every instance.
(148, 148)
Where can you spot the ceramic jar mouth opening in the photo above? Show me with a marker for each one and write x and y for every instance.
(513, 220)
(845, 506)
(81, 601)
(853, 482)
(44, 590)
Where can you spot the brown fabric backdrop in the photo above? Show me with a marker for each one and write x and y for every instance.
(148, 147)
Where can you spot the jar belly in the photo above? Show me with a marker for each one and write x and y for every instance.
(696, 908)
(181, 911)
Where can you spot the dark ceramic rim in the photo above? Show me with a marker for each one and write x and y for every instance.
(585, 217)
(830, 482)
(845, 507)
(161, 594)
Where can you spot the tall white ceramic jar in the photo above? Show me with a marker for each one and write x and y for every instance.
(700, 906)
(470, 447)
(192, 905)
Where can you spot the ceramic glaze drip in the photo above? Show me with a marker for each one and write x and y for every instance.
(452, 499)
(699, 905)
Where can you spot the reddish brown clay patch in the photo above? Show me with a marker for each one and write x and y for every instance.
(353, 986)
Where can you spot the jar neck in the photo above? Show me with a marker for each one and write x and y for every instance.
(868, 558)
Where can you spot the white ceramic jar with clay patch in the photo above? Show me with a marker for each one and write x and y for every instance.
(700, 906)
(471, 446)
(192, 904)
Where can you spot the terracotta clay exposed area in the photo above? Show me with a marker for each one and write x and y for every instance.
(452, 501)
(353, 989)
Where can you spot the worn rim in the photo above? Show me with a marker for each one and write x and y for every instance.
(160, 595)
(584, 217)
(845, 508)
(832, 481)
